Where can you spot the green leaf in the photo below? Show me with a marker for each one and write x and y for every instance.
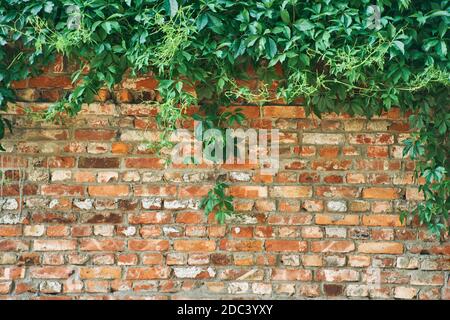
(271, 48)
(171, 7)
(303, 25)
(400, 46)
(285, 16)
(202, 21)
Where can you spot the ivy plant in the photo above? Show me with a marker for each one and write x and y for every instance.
(353, 56)
(219, 202)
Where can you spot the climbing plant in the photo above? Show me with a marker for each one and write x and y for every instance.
(354, 56)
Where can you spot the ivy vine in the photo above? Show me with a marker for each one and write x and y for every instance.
(353, 56)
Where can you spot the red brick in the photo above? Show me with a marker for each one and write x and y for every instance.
(120, 147)
(150, 218)
(148, 273)
(108, 191)
(147, 163)
(10, 231)
(138, 110)
(380, 193)
(12, 273)
(189, 217)
(99, 163)
(377, 152)
(336, 192)
(101, 245)
(14, 245)
(50, 272)
(100, 273)
(286, 245)
(241, 245)
(147, 84)
(331, 165)
(252, 192)
(337, 219)
(291, 275)
(152, 258)
(291, 191)
(62, 190)
(329, 152)
(94, 134)
(5, 287)
(332, 246)
(54, 245)
(148, 245)
(338, 275)
(284, 112)
(381, 247)
(63, 82)
(154, 191)
(381, 220)
(194, 245)
(194, 191)
(378, 139)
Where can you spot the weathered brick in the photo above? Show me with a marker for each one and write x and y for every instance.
(323, 138)
(241, 245)
(148, 273)
(101, 245)
(291, 191)
(108, 191)
(291, 275)
(50, 272)
(98, 162)
(148, 163)
(338, 275)
(381, 247)
(380, 193)
(194, 245)
(381, 220)
(100, 273)
(284, 112)
(148, 245)
(54, 245)
(286, 245)
(154, 191)
(94, 135)
(62, 190)
(332, 246)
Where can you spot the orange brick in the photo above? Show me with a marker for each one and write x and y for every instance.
(284, 112)
(148, 273)
(108, 191)
(381, 247)
(337, 219)
(291, 191)
(286, 245)
(241, 245)
(332, 246)
(148, 245)
(194, 245)
(381, 220)
(380, 193)
(291, 275)
(100, 273)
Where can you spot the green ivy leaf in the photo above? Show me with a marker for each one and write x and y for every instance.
(171, 7)
(400, 46)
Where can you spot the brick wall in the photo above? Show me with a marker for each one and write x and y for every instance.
(87, 211)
